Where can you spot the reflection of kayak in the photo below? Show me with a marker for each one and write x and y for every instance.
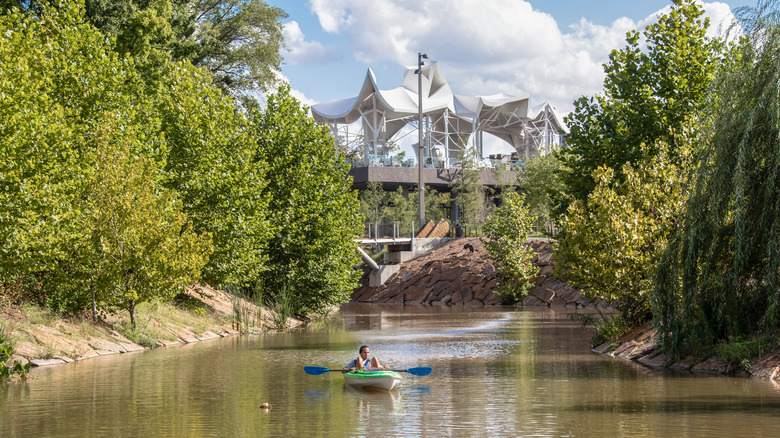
(386, 380)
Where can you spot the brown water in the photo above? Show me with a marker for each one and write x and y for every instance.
(496, 372)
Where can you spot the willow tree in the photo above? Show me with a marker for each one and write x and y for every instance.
(719, 275)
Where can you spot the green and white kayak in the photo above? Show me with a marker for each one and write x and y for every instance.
(386, 380)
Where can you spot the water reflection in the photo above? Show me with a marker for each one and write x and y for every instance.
(496, 372)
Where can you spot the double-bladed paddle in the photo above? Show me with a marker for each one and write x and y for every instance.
(416, 371)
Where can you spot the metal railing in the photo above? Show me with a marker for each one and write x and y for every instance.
(432, 162)
(388, 230)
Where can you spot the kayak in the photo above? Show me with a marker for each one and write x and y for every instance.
(386, 380)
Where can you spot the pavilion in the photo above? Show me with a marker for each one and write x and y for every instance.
(451, 122)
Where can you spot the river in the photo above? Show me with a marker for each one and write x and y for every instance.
(497, 371)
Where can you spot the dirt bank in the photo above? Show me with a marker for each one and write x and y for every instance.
(202, 313)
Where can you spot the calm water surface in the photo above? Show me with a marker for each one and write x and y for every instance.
(496, 372)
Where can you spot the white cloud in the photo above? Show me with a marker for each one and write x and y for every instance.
(262, 97)
(721, 19)
(487, 47)
(299, 51)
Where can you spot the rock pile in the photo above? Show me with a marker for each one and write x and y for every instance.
(550, 290)
(460, 272)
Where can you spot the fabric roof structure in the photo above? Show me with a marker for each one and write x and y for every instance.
(450, 120)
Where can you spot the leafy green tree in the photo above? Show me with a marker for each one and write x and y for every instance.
(719, 276)
(506, 231)
(467, 189)
(316, 213)
(55, 78)
(649, 94)
(213, 165)
(401, 209)
(541, 182)
(437, 204)
(238, 41)
(372, 202)
(82, 205)
(141, 245)
(614, 240)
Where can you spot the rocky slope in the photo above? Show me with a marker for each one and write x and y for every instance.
(640, 345)
(461, 273)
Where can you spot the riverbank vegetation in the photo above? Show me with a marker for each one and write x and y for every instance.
(506, 233)
(132, 170)
(671, 190)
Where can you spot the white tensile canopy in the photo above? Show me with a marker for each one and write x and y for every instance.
(450, 120)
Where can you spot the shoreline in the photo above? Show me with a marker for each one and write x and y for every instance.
(639, 346)
(202, 314)
(207, 314)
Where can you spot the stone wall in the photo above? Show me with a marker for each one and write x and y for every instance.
(456, 274)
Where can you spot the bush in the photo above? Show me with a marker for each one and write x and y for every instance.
(609, 328)
(738, 352)
(17, 368)
(506, 231)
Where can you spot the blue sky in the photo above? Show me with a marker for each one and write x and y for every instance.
(551, 50)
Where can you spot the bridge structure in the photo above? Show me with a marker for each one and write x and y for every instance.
(400, 249)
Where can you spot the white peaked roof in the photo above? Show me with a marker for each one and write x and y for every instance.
(504, 116)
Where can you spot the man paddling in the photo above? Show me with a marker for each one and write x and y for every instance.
(362, 362)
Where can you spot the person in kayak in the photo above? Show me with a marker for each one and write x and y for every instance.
(362, 362)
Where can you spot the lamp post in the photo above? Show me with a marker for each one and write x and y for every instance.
(420, 183)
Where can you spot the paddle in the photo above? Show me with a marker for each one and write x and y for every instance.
(417, 371)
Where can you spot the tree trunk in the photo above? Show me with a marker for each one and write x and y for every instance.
(94, 305)
(131, 309)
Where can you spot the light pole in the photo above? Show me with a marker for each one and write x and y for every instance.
(420, 183)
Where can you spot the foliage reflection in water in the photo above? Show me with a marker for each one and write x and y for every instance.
(496, 371)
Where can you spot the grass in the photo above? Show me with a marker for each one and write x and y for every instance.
(156, 321)
(738, 352)
(609, 328)
(283, 307)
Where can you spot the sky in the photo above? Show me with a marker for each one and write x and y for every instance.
(550, 50)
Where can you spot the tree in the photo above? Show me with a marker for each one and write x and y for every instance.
(316, 214)
(82, 206)
(719, 276)
(142, 247)
(56, 78)
(372, 201)
(238, 41)
(437, 204)
(401, 208)
(212, 164)
(648, 97)
(506, 231)
(468, 190)
(614, 240)
(541, 182)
